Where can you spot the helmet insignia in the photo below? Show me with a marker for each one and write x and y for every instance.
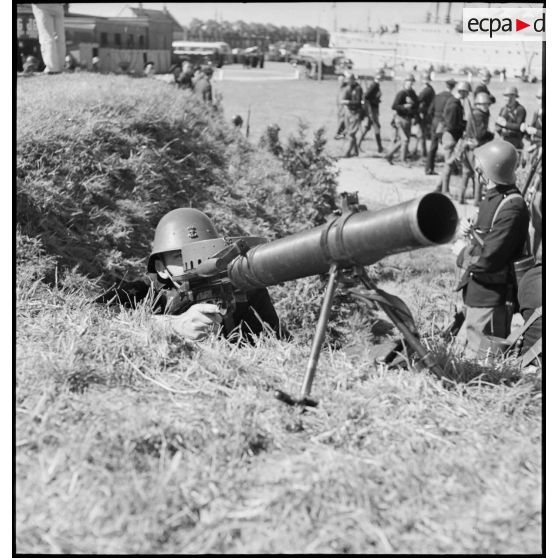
(192, 231)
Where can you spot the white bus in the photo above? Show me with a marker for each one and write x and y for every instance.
(218, 53)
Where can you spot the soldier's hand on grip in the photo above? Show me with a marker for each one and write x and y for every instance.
(197, 322)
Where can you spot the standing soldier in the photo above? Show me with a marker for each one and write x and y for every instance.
(482, 87)
(476, 134)
(437, 127)
(512, 116)
(406, 107)
(340, 133)
(352, 99)
(499, 236)
(425, 102)
(203, 87)
(535, 130)
(372, 110)
(454, 126)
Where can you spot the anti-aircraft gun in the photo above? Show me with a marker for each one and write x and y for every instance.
(352, 238)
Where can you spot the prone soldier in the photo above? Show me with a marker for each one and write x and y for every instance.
(497, 239)
(185, 237)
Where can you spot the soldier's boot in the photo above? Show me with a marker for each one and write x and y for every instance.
(379, 143)
(404, 151)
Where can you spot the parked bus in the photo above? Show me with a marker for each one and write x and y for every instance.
(218, 53)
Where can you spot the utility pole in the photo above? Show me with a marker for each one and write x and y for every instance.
(320, 55)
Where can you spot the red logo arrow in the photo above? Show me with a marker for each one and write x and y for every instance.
(519, 25)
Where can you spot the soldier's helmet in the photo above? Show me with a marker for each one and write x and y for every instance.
(463, 86)
(179, 228)
(485, 73)
(410, 77)
(237, 120)
(511, 90)
(482, 99)
(498, 160)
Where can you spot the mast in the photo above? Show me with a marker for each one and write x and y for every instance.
(448, 17)
(436, 18)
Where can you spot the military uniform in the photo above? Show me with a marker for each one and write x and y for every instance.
(403, 120)
(164, 297)
(352, 98)
(454, 125)
(537, 123)
(204, 89)
(488, 282)
(477, 134)
(425, 101)
(372, 113)
(437, 127)
(514, 116)
(530, 298)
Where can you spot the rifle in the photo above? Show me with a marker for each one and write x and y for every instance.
(248, 122)
(353, 238)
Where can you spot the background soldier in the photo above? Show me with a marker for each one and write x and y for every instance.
(499, 235)
(406, 106)
(437, 127)
(340, 133)
(512, 116)
(185, 79)
(535, 130)
(454, 126)
(482, 87)
(352, 99)
(372, 111)
(425, 103)
(202, 86)
(476, 134)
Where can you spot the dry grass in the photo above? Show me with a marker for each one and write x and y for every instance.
(131, 442)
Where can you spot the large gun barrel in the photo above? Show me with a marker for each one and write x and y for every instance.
(358, 238)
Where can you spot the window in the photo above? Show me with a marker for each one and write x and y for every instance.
(141, 41)
(117, 40)
(104, 39)
(130, 42)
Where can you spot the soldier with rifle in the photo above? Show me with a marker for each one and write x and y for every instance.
(425, 102)
(476, 134)
(437, 128)
(454, 126)
(498, 239)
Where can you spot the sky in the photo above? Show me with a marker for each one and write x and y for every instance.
(296, 14)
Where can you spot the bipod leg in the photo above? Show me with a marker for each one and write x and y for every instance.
(412, 339)
(317, 342)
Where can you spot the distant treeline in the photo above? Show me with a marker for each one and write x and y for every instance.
(236, 33)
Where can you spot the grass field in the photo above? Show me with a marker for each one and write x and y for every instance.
(132, 441)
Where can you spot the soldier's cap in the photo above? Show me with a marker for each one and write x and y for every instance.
(485, 73)
(511, 90)
(207, 70)
(409, 77)
(451, 82)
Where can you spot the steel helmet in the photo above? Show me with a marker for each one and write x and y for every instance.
(179, 228)
(485, 73)
(463, 86)
(498, 160)
(482, 98)
(511, 90)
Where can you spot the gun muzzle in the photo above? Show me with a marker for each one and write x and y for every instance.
(359, 238)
